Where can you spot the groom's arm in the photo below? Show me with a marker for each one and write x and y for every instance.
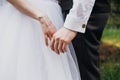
(78, 17)
(76, 21)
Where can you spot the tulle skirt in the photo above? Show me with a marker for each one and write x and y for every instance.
(23, 53)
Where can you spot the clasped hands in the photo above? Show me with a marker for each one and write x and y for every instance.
(60, 39)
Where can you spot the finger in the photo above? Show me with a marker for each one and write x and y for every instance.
(60, 46)
(47, 31)
(56, 46)
(49, 35)
(52, 43)
(46, 40)
(64, 47)
(51, 26)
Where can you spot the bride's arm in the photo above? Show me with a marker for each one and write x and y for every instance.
(27, 8)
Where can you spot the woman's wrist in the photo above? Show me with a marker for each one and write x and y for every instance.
(38, 15)
(41, 17)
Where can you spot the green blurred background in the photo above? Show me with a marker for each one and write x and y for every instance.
(110, 45)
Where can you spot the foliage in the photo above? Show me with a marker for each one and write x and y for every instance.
(114, 20)
(115, 6)
(110, 68)
(111, 36)
(110, 71)
(115, 13)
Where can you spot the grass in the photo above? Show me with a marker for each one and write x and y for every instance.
(111, 36)
(110, 69)
(114, 19)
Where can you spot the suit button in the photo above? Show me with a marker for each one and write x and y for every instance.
(83, 26)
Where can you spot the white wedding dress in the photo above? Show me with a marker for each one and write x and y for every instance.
(23, 53)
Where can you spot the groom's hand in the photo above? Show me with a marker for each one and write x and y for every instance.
(61, 39)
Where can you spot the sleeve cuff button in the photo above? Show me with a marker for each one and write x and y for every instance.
(83, 26)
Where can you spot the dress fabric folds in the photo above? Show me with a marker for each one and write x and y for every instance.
(23, 53)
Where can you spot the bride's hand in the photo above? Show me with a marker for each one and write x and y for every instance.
(30, 10)
(48, 27)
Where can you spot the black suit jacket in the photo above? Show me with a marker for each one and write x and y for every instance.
(66, 4)
(100, 5)
(86, 45)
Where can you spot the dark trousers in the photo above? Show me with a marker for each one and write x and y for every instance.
(86, 46)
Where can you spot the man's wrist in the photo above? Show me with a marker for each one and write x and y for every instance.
(71, 30)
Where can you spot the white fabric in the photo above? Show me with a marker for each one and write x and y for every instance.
(2, 1)
(23, 53)
(79, 15)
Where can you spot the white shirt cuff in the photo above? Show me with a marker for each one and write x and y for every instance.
(75, 24)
